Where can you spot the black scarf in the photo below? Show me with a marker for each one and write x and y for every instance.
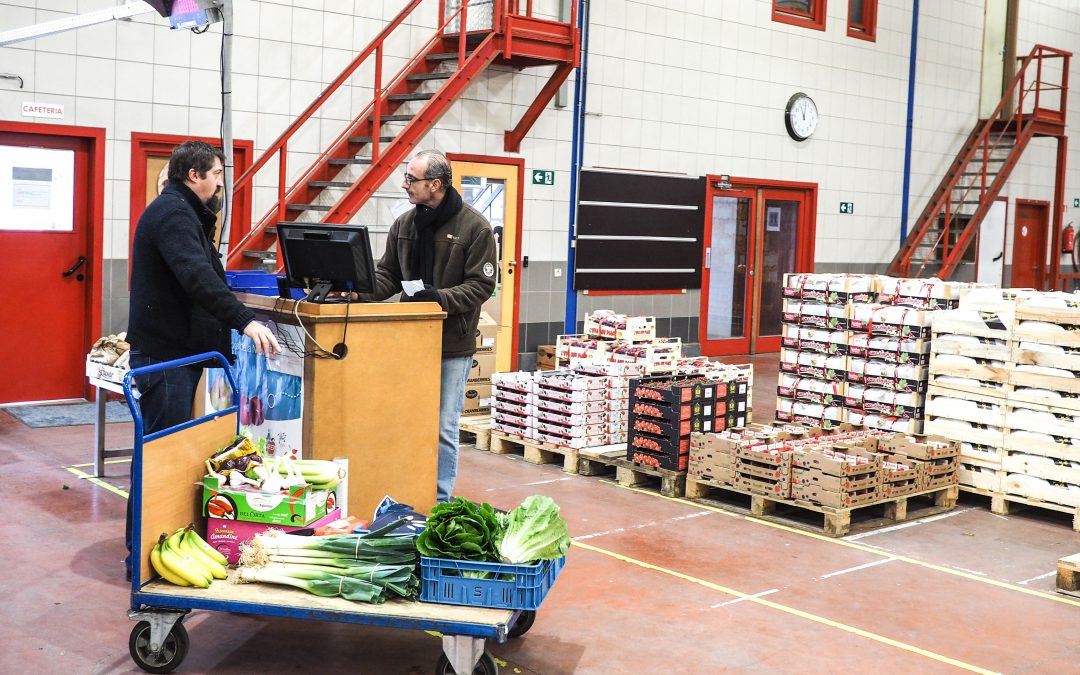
(427, 220)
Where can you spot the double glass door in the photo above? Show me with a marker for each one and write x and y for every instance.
(753, 236)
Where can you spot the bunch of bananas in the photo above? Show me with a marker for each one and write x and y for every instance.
(320, 474)
(185, 559)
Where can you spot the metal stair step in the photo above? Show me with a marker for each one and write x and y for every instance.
(260, 255)
(419, 96)
(367, 139)
(348, 162)
(447, 56)
(397, 118)
(424, 77)
(307, 207)
(330, 183)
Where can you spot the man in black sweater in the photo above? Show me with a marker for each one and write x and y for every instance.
(180, 304)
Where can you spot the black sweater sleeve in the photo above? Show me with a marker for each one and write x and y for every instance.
(185, 250)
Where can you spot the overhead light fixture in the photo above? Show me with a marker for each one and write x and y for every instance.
(724, 183)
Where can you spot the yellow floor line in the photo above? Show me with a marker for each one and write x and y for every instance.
(866, 549)
(97, 481)
(108, 461)
(789, 610)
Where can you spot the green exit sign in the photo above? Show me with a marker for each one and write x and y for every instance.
(1076, 203)
(847, 207)
(543, 177)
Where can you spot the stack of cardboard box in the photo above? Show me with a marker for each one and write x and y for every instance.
(478, 386)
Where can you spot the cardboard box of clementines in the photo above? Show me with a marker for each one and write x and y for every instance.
(227, 535)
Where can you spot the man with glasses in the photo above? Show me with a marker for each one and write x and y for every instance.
(449, 247)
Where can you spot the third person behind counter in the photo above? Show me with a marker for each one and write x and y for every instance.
(449, 246)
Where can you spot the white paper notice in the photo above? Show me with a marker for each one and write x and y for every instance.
(412, 287)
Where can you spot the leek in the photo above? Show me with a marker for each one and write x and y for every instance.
(360, 567)
(319, 583)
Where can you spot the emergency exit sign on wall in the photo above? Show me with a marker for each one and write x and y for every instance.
(543, 177)
(1076, 202)
(847, 207)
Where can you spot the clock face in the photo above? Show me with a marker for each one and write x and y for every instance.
(801, 116)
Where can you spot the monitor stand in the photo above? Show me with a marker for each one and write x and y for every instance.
(318, 292)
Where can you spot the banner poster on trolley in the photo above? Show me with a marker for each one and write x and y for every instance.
(271, 392)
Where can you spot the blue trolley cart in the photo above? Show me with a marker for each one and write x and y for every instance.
(166, 467)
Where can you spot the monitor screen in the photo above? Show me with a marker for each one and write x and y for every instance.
(324, 258)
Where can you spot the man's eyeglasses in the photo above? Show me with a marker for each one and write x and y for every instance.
(410, 179)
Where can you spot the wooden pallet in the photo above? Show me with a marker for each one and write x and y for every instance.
(1001, 502)
(1068, 575)
(604, 460)
(535, 452)
(478, 428)
(837, 521)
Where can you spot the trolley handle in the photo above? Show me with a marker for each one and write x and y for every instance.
(136, 412)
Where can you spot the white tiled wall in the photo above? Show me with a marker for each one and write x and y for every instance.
(696, 86)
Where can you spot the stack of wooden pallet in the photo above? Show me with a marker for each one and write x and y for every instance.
(1005, 382)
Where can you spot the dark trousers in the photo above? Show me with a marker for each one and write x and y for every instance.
(166, 398)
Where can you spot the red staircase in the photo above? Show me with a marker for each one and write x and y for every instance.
(1034, 106)
(403, 109)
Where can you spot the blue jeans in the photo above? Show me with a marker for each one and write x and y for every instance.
(165, 400)
(455, 372)
(167, 396)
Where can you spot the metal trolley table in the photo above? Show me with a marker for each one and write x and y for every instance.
(163, 464)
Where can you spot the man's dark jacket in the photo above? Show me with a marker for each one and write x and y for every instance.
(180, 304)
(464, 268)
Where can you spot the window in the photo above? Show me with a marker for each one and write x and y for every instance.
(806, 13)
(862, 19)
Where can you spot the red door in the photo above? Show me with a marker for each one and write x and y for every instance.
(754, 235)
(1029, 244)
(727, 280)
(50, 228)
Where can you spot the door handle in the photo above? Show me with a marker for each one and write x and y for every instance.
(78, 263)
(708, 257)
(512, 263)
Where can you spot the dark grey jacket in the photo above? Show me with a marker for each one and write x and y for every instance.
(465, 268)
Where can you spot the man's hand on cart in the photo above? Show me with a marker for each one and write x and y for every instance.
(263, 337)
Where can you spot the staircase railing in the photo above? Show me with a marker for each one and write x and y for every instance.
(243, 235)
(991, 134)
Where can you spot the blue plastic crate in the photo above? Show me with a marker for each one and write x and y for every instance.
(258, 282)
(512, 587)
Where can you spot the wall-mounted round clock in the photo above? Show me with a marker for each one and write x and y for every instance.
(800, 116)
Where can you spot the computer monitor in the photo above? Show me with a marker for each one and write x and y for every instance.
(325, 258)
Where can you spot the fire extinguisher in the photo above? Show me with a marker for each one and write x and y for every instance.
(1068, 239)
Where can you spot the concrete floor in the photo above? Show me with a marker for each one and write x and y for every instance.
(653, 584)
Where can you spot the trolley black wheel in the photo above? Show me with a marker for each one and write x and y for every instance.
(524, 622)
(485, 666)
(172, 653)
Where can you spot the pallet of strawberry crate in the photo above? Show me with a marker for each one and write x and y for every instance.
(837, 521)
(716, 460)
